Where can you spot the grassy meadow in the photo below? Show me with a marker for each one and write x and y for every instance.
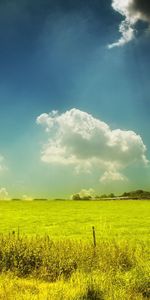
(47, 252)
(74, 219)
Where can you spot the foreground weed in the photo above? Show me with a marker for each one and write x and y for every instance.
(42, 269)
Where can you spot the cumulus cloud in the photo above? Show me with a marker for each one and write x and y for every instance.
(4, 194)
(26, 197)
(132, 11)
(78, 139)
(112, 175)
(85, 194)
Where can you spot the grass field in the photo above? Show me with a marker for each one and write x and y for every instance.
(53, 257)
(73, 219)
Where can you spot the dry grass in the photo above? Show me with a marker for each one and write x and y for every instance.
(55, 270)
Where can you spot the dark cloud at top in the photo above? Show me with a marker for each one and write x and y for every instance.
(134, 12)
(143, 7)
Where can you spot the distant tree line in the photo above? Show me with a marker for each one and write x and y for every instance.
(77, 196)
(91, 195)
(138, 194)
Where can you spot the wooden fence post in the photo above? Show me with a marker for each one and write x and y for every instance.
(94, 236)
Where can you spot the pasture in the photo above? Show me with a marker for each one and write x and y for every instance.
(47, 251)
(74, 219)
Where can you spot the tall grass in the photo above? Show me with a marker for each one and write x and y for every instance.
(40, 268)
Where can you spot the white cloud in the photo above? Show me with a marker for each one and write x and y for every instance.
(83, 194)
(26, 197)
(77, 138)
(127, 35)
(4, 194)
(87, 193)
(132, 11)
(112, 175)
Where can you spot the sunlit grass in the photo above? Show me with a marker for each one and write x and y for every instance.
(73, 219)
(44, 269)
(51, 255)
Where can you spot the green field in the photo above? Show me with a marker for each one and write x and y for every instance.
(74, 219)
(53, 256)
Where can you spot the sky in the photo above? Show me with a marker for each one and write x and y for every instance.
(74, 97)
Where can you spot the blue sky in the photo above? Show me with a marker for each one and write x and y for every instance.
(54, 55)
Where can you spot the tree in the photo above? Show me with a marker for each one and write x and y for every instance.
(111, 195)
(103, 196)
(125, 194)
(76, 197)
(88, 197)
